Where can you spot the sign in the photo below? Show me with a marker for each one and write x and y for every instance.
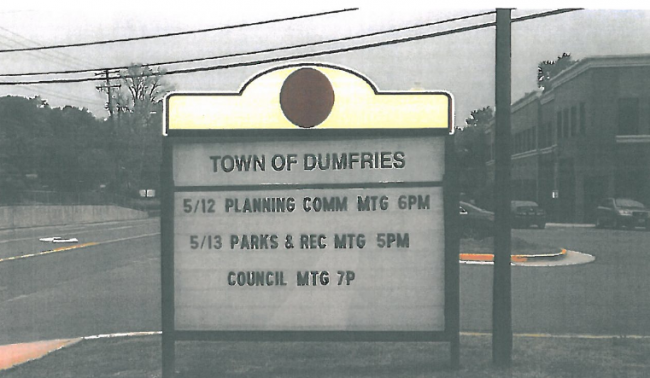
(308, 206)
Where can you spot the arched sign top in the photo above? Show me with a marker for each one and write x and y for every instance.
(312, 96)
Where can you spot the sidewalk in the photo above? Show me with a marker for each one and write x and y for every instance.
(16, 354)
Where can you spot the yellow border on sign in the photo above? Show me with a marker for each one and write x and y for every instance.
(357, 105)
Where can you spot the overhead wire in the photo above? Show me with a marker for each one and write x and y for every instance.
(173, 34)
(233, 55)
(545, 14)
(310, 54)
(55, 54)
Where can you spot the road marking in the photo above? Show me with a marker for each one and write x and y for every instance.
(564, 336)
(62, 249)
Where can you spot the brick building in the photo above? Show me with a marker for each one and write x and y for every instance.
(585, 138)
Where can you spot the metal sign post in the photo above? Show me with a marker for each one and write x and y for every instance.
(502, 301)
(308, 207)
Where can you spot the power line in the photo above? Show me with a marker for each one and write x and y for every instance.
(545, 14)
(75, 60)
(308, 55)
(8, 41)
(272, 60)
(310, 44)
(129, 39)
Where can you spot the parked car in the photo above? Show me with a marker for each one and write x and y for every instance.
(527, 213)
(475, 222)
(619, 212)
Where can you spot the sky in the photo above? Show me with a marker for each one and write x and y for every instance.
(462, 63)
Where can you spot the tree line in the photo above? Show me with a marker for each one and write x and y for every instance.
(68, 149)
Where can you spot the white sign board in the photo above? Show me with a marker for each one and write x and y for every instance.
(353, 258)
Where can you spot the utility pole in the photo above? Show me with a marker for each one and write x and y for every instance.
(502, 286)
(108, 88)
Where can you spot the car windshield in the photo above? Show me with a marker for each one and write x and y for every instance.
(624, 202)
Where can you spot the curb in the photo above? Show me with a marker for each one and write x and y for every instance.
(488, 257)
(570, 225)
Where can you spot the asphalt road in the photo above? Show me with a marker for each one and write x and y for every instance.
(608, 296)
(107, 288)
(115, 286)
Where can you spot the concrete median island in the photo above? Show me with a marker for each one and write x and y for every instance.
(522, 252)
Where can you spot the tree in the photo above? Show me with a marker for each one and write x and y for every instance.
(137, 124)
(40, 146)
(480, 117)
(472, 151)
(548, 69)
(76, 133)
(141, 89)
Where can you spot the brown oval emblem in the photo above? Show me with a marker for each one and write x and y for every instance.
(306, 97)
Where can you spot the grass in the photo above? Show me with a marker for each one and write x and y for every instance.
(532, 358)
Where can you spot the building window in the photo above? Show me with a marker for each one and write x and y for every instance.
(628, 116)
(559, 125)
(565, 122)
(574, 121)
(527, 140)
(583, 120)
(518, 142)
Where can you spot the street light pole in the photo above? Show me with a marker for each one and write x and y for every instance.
(501, 289)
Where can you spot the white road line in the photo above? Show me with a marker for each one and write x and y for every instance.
(585, 336)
